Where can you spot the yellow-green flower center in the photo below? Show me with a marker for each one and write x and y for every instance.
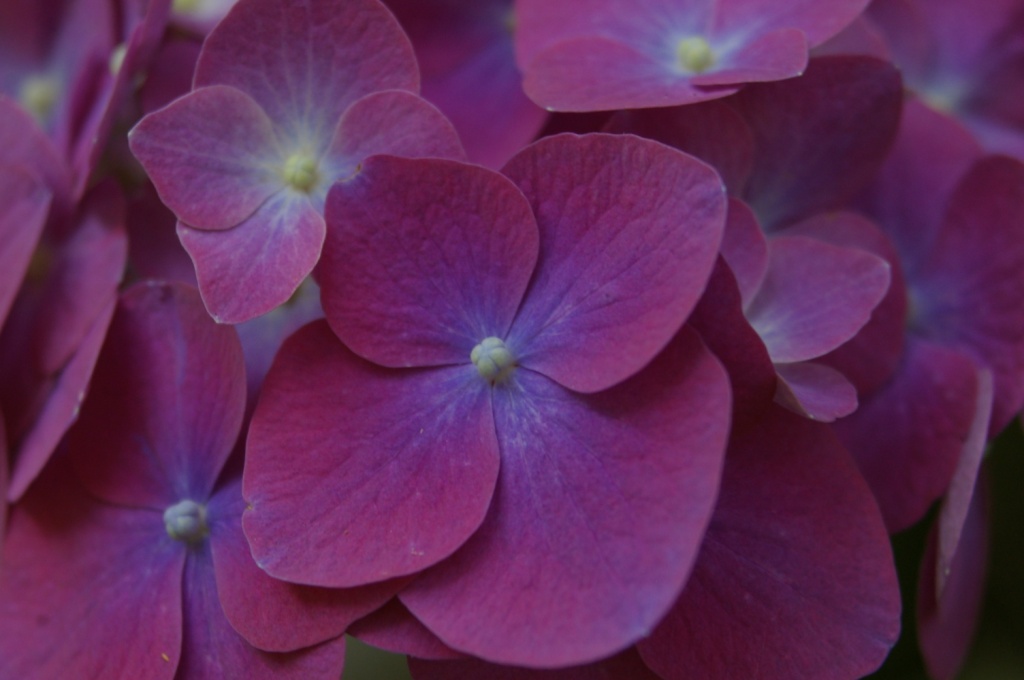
(493, 360)
(38, 94)
(694, 54)
(301, 172)
(186, 521)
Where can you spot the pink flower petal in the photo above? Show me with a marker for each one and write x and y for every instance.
(815, 391)
(88, 589)
(211, 156)
(601, 506)
(257, 265)
(270, 614)
(305, 62)
(24, 204)
(801, 165)
(212, 649)
(629, 234)
(967, 291)
(814, 297)
(62, 401)
(166, 402)
(871, 357)
(946, 620)
(357, 473)
(908, 436)
(424, 259)
(795, 578)
(394, 629)
(393, 122)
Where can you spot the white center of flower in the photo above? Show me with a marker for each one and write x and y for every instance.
(301, 172)
(186, 521)
(694, 54)
(38, 94)
(493, 360)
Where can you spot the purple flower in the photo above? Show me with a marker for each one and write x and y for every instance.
(625, 54)
(128, 556)
(246, 159)
(467, 62)
(497, 400)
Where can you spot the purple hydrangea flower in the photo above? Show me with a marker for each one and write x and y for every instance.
(246, 159)
(128, 556)
(627, 54)
(497, 401)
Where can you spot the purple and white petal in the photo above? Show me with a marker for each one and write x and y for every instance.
(212, 156)
(257, 265)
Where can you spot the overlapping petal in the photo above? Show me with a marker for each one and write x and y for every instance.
(24, 204)
(629, 233)
(413, 451)
(305, 62)
(257, 265)
(424, 259)
(212, 156)
(165, 405)
(601, 506)
(795, 577)
(79, 578)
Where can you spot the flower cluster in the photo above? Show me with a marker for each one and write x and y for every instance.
(529, 339)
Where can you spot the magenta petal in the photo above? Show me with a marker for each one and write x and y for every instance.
(818, 392)
(605, 74)
(210, 155)
(270, 614)
(394, 629)
(83, 278)
(776, 55)
(968, 290)
(959, 497)
(25, 145)
(88, 590)
(356, 473)
(424, 259)
(815, 296)
(166, 402)
(719, 320)
(745, 248)
(803, 165)
(601, 506)
(629, 234)
(306, 61)
(795, 578)
(257, 265)
(211, 649)
(946, 621)
(394, 122)
(713, 132)
(61, 407)
(873, 355)
(24, 204)
(818, 19)
(908, 436)
(624, 666)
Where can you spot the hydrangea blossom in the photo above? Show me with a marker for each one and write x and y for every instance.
(618, 54)
(246, 159)
(471, 414)
(142, 567)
